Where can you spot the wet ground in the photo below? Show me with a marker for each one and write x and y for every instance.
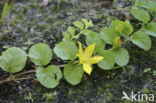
(28, 24)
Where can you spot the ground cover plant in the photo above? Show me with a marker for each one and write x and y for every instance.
(81, 47)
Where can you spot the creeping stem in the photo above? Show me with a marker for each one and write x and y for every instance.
(15, 77)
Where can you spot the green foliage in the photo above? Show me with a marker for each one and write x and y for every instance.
(73, 74)
(154, 73)
(150, 70)
(151, 5)
(141, 15)
(109, 60)
(40, 54)
(150, 29)
(50, 76)
(147, 70)
(69, 34)
(94, 37)
(82, 25)
(6, 9)
(48, 97)
(71, 31)
(79, 25)
(29, 97)
(123, 28)
(66, 50)
(13, 60)
(66, 36)
(142, 40)
(115, 36)
(108, 34)
(87, 23)
(121, 56)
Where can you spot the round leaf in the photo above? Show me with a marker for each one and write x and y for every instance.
(141, 15)
(150, 5)
(66, 36)
(126, 27)
(73, 74)
(121, 56)
(150, 29)
(40, 54)
(13, 60)
(142, 40)
(109, 60)
(71, 31)
(108, 34)
(50, 76)
(66, 50)
(93, 37)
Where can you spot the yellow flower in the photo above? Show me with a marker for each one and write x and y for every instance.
(118, 41)
(86, 59)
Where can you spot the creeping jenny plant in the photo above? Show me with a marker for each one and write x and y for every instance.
(116, 35)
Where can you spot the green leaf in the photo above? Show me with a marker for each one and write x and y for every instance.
(13, 60)
(142, 40)
(109, 60)
(73, 74)
(71, 31)
(150, 5)
(94, 37)
(150, 29)
(79, 25)
(6, 8)
(66, 50)
(50, 76)
(66, 36)
(121, 56)
(40, 54)
(87, 24)
(124, 28)
(141, 15)
(108, 34)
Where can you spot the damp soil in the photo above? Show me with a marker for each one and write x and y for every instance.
(28, 24)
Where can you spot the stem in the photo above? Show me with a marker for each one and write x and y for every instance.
(127, 39)
(81, 32)
(17, 79)
(125, 70)
(111, 48)
(117, 67)
(23, 73)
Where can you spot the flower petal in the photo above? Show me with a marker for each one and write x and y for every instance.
(87, 68)
(89, 50)
(94, 59)
(81, 54)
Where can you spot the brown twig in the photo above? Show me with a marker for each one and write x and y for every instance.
(17, 79)
(22, 73)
